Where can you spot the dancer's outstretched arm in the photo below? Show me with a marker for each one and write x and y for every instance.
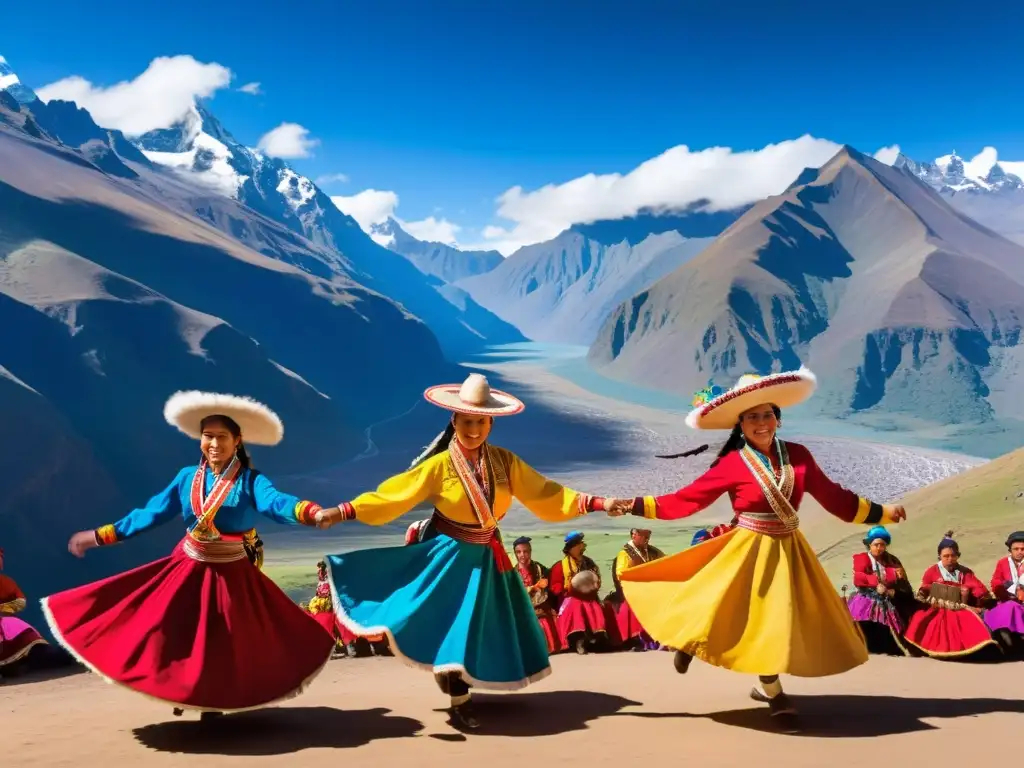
(689, 500)
(160, 509)
(282, 507)
(392, 499)
(545, 498)
(837, 500)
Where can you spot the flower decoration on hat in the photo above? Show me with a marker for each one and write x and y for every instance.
(706, 395)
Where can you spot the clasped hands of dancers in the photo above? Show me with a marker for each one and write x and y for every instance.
(451, 602)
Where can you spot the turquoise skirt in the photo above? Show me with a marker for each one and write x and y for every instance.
(445, 607)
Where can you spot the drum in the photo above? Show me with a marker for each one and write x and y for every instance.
(585, 583)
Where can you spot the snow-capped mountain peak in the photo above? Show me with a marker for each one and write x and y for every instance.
(10, 82)
(383, 233)
(195, 146)
(951, 174)
(296, 189)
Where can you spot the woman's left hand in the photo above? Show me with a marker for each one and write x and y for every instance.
(896, 512)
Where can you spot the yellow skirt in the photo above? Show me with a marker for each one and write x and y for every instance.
(748, 602)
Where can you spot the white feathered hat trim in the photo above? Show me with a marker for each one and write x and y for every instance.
(782, 389)
(474, 396)
(259, 424)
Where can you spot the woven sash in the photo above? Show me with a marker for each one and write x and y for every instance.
(215, 551)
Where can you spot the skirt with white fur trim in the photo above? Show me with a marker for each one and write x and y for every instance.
(205, 636)
(445, 607)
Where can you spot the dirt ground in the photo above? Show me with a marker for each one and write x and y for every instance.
(601, 710)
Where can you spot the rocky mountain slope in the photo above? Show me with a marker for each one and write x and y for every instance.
(445, 262)
(859, 270)
(564, 289)
(220, 171)
(994, 198)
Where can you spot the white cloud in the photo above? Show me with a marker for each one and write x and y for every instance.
(674, 179)
(287, 141)
(253, 89)
(331, 178)
(374, 207)
(157, 98)
(369, 207)
(433, 230)
(888, 154)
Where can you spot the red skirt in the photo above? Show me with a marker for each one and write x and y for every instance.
(947, 633)
(581, 615)
(209, 636)
(549, 626)
(626, 622)
(329, 622)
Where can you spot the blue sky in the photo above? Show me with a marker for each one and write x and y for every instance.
(450, 103)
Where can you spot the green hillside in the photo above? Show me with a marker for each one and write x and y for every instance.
(980, 505)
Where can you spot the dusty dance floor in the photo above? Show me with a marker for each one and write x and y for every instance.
(611, 710)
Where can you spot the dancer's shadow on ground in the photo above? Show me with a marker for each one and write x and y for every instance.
(856, 716)
(276, 731)
(540, 714)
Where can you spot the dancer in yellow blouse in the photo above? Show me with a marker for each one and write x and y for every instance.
(452, 603)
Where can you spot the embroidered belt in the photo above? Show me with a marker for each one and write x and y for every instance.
(767, 523)
(215, 551)
(474, 534)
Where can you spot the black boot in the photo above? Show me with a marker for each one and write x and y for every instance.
(681, 661)
(464, 715)
(780, 707)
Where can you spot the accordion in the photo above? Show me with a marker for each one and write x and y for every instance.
(945, 593)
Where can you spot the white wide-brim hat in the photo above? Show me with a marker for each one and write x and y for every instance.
(721, 410)
(474, 396)
(259, 424)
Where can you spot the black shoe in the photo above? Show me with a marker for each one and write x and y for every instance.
(206, 717)
(178, 712)
(464, 716)
(580, 646)
(681, 661)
